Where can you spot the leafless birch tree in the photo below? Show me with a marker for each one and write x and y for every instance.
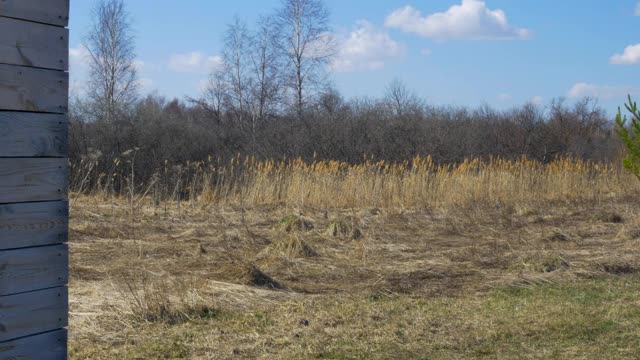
(307, 47)
(265, 64)
(113, 78)
(236, 63)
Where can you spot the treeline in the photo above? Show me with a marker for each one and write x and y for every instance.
(177, 132)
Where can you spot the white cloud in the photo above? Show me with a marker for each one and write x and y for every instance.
(146, 84)
(637, 11)
(470, 20)
(323, 46)
(630, 56)
(194, 62)
(504, 97)
(138, 65)
(79, 56)
(78, 69)
(537, 100)
(365, 48)
(603, 92)
(426, 52)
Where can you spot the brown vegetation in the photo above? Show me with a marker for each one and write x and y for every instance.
(268, 265)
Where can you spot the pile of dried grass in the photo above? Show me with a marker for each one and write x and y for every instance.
(293, 223)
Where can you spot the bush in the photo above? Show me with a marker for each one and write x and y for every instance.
(629, 131)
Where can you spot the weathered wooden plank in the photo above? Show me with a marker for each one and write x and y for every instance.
(33, 313)
(35, 268)
(33, 224)
(32, 135)
(30, 89)
(32, 179)
(55, 12)
(47, 346)
(32, 44)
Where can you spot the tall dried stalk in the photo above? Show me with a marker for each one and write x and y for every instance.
(419, 183)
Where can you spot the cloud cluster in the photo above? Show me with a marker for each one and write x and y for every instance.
(195, 62)
(471, 20)
(537, 100)
(366, 48)
(630, 56)
(78, 55)
(603, 92)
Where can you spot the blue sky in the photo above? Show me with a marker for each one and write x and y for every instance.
(458, 52)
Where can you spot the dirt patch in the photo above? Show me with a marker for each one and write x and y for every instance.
(619, 268)
(247, 273)
(428, 280)
(256, 277)
(613, 218)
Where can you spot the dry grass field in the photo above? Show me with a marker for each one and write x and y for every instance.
(490, 259)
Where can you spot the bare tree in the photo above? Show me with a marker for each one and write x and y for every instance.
(236, 63)
(265, 61)
(307, 47)
(400, 99)
(113, 77)
(216, 95)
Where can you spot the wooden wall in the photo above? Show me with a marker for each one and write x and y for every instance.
(34, 82)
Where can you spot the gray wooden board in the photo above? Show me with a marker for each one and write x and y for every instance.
(32, 134)
(34, 268)
(30, 89)
(33, 313)
(32, 179)
(47, 346)
(54, 12)
(32, 44)
(33, 224)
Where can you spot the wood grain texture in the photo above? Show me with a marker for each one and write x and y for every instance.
(32, 179)
(54, 12)
(47, 346)
(33, 313)
(30, 89)
(32, 269)
(33, 224)
(32, 44)
(33, 135)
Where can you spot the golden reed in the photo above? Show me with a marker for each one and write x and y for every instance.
(419, 183)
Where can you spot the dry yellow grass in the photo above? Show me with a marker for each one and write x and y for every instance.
(418, 183)
(484, 259)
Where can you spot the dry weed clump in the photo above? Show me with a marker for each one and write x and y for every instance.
(157, 301)
(559, 236)
(293, 223)
(291, 246)
(541, 263)
(347, 229)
